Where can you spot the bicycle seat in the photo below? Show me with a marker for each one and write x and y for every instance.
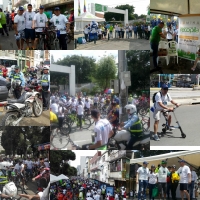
(20, 100)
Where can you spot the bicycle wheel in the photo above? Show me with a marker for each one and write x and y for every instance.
(20, 190)
(66, 129)
(60, 141)
(143, 111)
(145, 127)
(86, 123)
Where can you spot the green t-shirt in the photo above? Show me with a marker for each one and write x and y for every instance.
(155, 36)
(2, 18)
(47, 14)
(111, 28)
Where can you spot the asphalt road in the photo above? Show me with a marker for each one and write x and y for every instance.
(9, 43)
(188, 117)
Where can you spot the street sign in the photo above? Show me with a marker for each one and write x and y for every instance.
(116, 86)
(127, 83)
(101, 8)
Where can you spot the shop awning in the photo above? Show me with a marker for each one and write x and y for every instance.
(191, 157)
(175, 7)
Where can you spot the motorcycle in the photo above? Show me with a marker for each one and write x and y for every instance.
(29, 103)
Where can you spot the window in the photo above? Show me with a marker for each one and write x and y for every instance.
(115, 166)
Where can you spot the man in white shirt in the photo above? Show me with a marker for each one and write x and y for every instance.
(60, 22)
(39, 20)
(29, 32)
(160, 104)
(54, 107)
(162, 179)
(87, 105)
(19, 26)
(103, 130)
(142, 180)
(29, 164)
(194, 178)
(185, 179)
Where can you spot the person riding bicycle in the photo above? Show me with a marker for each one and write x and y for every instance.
(96, 100)
(87, 105)
(113, 116)
(103, 130)
(160, 104)
(133, 125)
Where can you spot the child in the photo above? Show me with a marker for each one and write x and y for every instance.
(197, 59)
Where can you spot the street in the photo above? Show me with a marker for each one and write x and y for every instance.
(188, 117)
(8, 42)
(43, 120)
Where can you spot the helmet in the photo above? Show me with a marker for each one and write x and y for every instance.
(10, 189)
(46, 67)
(16, 84)
(131, 107)
(153, 166)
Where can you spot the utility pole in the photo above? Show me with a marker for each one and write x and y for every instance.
(122, 66)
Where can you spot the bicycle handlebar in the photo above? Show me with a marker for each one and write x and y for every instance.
(174, 108)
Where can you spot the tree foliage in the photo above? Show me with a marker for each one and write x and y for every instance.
(57, 165)
(120, 17)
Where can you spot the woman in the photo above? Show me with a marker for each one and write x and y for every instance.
(170, 34)
(153, 179)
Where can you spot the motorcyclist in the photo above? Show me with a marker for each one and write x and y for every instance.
(133, 125)
(32, 73)
(17, 76)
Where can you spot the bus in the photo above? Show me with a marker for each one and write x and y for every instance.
(7, 62)
(47, 63)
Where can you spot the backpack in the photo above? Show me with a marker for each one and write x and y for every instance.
(154, 95)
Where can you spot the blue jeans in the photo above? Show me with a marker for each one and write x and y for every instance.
(168, 189)
(191, 189)
(154, 47)
(142, 184)
(151, 187)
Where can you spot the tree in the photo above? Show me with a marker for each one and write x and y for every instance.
(120, 17)
(106, 70)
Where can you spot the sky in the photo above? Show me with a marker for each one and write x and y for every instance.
(80, 153)
(140, 5)
(97, 54)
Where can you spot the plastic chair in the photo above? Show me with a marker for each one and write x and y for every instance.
(163, 45)
(172, 51)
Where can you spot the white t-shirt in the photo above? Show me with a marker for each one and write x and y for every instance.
(54, 108)
(169, 36)
(96, 99)
(80, 109)
(153, 178)
(29, 164)
(18, 167)
(102, 130)
(20, 21)
(97, 197)
(194, 176)
(87, 104)
(116, 197)
(60, 23)
(183, 173)
(73, 105)
(60, 112)
(149, 28)
(99, 31)
(28, 19)
(143, 173)
(162, 174)
(116, 27)
(47, 164)
(86, 30)
(161, 98)
(40, 21)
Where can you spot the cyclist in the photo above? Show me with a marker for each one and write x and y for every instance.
(80, 108)
(95, 100)
(19, 26)
(29, 32)
(103, 130)
(60, 22)
(133, 125)
(73, 106)
(161, 99)
(87, 105)
(39, 20)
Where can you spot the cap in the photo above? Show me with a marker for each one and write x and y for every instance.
(174, 166)
(41, 7)
(21, 8)
(16, 67)
(164, 86)
(145, 163)
(56, 8)
(181, 161)
(164, 162)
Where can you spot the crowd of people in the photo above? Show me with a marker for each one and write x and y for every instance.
(21, 80)
(29, 25)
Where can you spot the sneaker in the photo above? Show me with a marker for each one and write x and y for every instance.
(156, 138)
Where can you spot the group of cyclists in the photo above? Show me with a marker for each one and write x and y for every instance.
(103, 110)
(29, 25)
(81, 188)
(21, 80)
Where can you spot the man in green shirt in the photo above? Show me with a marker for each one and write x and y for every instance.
(3, 22)
(155, 39)
(111, 30)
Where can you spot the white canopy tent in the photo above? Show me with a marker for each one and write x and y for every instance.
(177, 7)
(85, 19)
(53, 178)
(62, 176)
(191, 157)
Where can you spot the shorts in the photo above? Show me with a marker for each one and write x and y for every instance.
(162, 186)
(37, 34)
(183, 186)
(22, 35)
(157, 114)
(29, 33)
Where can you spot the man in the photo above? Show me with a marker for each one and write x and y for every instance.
(194, 178)
(111, 31)
(19, 26)
(17, 76)
(162, 179)
(103, 130)
(87, 105)
(60, 22)
(116, 30)
(160, 104)
(39, 20)
(12, 15)
(3, 22)
(142, 180)
(185, 179)
(96, 100)
(32, 73)
(29, 32)
(29, 164)
(155, 39)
